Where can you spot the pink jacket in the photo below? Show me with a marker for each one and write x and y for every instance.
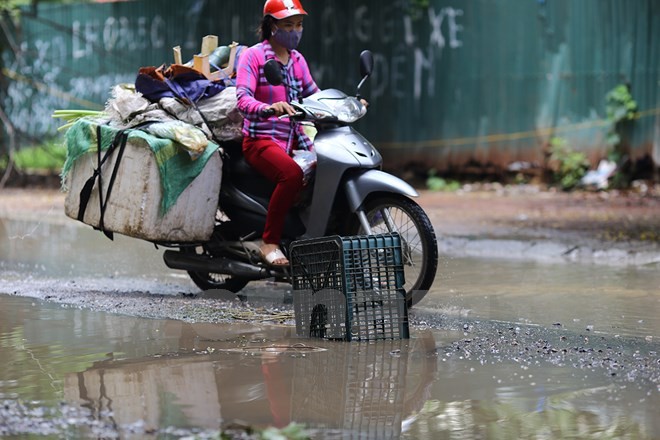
(255, 94)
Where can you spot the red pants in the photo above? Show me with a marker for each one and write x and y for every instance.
(277, 166)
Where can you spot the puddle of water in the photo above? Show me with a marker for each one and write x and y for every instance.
(598, 299)
(139, 375)
(68, 249)
(622, 300)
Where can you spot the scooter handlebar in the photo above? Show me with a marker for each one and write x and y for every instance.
(295, 115)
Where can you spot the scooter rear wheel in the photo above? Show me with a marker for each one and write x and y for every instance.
(209, 280)
(395, 213)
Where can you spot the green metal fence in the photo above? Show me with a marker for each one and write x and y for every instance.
(480, 82)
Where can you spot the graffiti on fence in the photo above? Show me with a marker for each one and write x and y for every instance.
(409, 48)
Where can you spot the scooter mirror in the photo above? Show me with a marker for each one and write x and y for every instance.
(273, 72)
(366, 67)
(366, 63)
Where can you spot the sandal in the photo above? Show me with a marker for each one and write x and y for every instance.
(274, 255)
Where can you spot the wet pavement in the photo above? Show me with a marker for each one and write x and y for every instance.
(504, 346)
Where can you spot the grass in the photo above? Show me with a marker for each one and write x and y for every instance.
(437, 183)
(46, 157)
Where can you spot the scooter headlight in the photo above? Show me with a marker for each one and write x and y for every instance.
(347, 109)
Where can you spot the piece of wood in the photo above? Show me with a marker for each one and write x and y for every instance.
(177, 54)
(209, 44)
(217, 75)
(229, 70)
(201, 64)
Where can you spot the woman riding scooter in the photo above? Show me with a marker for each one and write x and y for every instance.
(268, 142)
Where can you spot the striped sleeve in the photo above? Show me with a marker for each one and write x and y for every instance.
(247, 79)
(309, 86)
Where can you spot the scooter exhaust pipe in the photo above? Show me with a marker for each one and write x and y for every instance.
(199, 263)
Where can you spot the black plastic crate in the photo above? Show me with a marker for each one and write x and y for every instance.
(349, 288)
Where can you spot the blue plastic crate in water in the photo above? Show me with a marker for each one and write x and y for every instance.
(349, 288)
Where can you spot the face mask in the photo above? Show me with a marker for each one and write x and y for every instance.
(289, 39)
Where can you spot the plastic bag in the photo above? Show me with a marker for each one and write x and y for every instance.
(125, 103)
(192, 139)
(306, 160)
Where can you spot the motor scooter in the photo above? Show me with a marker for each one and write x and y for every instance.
(348, 195)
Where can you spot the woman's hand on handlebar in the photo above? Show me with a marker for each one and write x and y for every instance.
(282, 108)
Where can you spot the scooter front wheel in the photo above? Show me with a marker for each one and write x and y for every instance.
(209, 280)
(396, 213)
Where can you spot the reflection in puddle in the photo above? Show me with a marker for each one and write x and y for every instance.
(366, 388)
(277, 349)
(153, 374)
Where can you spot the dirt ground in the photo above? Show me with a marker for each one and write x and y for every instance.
(628, 220)
(530, 211)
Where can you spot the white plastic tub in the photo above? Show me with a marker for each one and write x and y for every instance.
(133, 208)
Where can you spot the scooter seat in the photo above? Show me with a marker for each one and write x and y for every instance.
(243, 176)
(250, 182)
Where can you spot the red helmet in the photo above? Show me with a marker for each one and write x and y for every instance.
(280, 9)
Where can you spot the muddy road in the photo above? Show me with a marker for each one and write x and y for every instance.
(99, 338)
